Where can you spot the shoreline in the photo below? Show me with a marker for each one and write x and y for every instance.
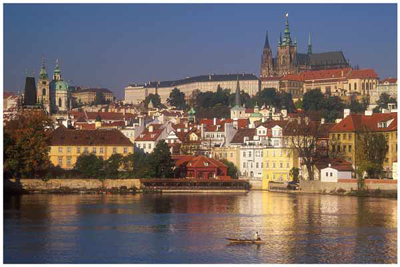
(371, 193)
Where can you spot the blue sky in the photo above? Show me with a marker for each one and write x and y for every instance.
(112, 45)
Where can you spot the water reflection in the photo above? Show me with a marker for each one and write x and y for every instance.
(191, 228)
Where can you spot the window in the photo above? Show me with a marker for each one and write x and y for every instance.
(59, 102)
(60, 160)
(69, 149)
(281, 165)
(44, 91)
(349, 86)
(344, 148)
(267, 164)
(69, 161)
(261, 153)
(149, 146)
(144, 146)
(114, 150)
(344, 136)
(257, 165)
(78, 150)
(349, 148)
(60, 149)
(350, 136)
(326, 174)
(355, 87)
(287, 165)
(338, 136)
(281, 153)
(244, 154)
(101, 150)
(249, 154)
(338, 148)
(86, 150)
(267, 154)
(231, 155)
(331, 174)
(262, 165)
(333, 136)
(273, 154)
(244, 164)
(94, 150)
(273, 165)
(125, 150)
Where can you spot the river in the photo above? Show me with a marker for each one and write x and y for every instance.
(191, 228)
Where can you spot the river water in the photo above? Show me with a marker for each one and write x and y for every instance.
(191, 228)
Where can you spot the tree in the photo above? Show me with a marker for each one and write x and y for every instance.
(268, 97)
(294, 174)
(286, 100)
(160, 163)
(112, 165)
(100, 99)
(356, 106)
(155, 99)
(232, 170)
(27, 144)
(299, 104)
(313, 100)
(371, 153)
(302, 137)
(177, 99)
(383, 101)
(90, 166)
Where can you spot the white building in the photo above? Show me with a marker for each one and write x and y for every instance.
(333, 173)
(388, 86)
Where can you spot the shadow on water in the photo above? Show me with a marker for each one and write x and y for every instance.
(13, 188)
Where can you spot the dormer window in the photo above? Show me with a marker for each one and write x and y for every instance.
(382, 124)
(206, 164)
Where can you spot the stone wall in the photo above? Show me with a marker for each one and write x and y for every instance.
(347, 184)
(76, 184)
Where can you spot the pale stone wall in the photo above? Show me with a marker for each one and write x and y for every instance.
(318, 186)
(55, 184)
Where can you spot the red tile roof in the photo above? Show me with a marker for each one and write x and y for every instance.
(389, 80)
(66, 137)
(355, 122)
(362, 74)
(292, 77)
(325, 74)
(146, 135)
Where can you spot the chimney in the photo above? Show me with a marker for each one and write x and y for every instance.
(215, 121)
(329, 165)
(151, 128)
(323, 121)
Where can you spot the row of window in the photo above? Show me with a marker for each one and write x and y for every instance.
(280, 177)
(216, 135)
(94, 150)
(144, 146)
(345, 136)
(337, 148)
(261, 165)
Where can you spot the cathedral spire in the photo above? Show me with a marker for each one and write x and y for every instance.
(237, 95)
(43, 72)
(309, 51)
(266, 45)
(57, 72)
(287, 40)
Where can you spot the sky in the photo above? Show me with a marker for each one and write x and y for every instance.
(114, 45)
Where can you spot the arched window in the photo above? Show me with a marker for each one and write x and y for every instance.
(44, 91)
(59, 102)
(355, 87)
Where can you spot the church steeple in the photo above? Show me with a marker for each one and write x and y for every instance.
(237, 95)
(280, 39)
(266, 45)
(43, 72)
(57, 72)
(287, 40)
(309, 51)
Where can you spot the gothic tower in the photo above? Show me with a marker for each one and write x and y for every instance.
(309, 50)
(266, 60)
(286, 57)
(43, 88)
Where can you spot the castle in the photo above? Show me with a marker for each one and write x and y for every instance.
(289, 61)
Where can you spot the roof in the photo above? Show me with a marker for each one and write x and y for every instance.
(362, 74)
(325, 74)
(66, 137)
(302, 59)
(202, 78)
(327, 58)
(338, 164)
(238, 138)
(389, 80)
(95, 90)
(105, 116)
(197, 161)
(146, 135)
(291, 77)
(355, 122)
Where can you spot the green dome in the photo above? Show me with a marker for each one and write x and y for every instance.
(257, 115)
(59, 86)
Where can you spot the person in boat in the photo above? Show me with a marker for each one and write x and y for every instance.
(257, 236)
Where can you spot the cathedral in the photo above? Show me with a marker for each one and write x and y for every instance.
(289, 61)
(53, 95)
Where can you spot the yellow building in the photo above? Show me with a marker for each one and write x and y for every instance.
(277, 164)
(343, 137)
(67, 145)
(87, 96)
(229, 153)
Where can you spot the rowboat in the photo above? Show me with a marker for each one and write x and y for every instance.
(245, 241)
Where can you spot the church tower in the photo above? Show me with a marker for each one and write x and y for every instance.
(43, 88)
(266, 60)
(309, 50)
(287, 50)
(59, 93)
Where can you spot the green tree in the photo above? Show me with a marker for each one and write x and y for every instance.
(286, 101)
(268, 97)
(177, 99)
(383, 101)
(371, 153)
(313, 100)
(155, 99)
(90, 166)
(299, 104)
(27, 145)
(294, 174)
(232, 170)
(112, 165)
(160, 163)
(100, 99)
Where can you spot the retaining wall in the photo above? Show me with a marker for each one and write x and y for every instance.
(348, 185)
(75, 184)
